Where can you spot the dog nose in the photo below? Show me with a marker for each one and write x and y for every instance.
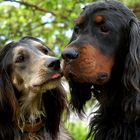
(54, 64)
(69, 53)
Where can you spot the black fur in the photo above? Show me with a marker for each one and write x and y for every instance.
(118, 116)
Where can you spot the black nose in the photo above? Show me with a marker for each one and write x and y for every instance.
(70, 53)
(53, 64)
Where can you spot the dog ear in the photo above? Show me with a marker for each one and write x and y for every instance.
(7, 97)
(80, 94)
(131, 76)
(54, 104)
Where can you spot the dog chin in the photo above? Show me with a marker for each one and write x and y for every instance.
(52, 84)
(46, 86)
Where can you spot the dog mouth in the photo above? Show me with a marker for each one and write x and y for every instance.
(100, 79)
(53, 78)
(87, 87)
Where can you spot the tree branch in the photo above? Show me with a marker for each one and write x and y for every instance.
(32, 6)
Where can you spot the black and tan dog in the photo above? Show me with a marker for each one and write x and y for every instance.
(103, 60)
(31, 96)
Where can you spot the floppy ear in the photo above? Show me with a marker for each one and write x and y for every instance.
(131, 76)
(80, 94)
(7, 97)
(54, 104)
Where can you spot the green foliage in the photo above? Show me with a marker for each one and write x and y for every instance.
(77, 130)
(130, 2)
(49, 20)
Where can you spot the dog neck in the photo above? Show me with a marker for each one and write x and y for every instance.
(31, 112)
(31, 128)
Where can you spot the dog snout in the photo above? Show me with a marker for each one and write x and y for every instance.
(69, 54)
(53, 64)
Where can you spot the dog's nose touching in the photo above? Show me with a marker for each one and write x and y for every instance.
(54, 64)
(69, 54)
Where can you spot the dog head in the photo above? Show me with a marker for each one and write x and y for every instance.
(102, 50)
(30, 85)
(32, 67)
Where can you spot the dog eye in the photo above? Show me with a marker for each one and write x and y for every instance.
(104, 29)
(45, 51)
(20, 59)
(76, 29)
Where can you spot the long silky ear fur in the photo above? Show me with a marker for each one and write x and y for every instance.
(7, 97)
(80, 94)
(131, 76)
(54, 103)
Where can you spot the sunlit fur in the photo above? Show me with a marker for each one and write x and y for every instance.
(32, 99)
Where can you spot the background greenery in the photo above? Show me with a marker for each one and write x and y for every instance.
(52, 22)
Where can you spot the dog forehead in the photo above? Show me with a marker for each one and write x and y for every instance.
(19, 49)
(23, 48)
(28, 45)
(34, 43)
(113, 18)
(108, 6)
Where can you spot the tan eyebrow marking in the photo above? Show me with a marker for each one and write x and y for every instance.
(98, 19)
(80, 20)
